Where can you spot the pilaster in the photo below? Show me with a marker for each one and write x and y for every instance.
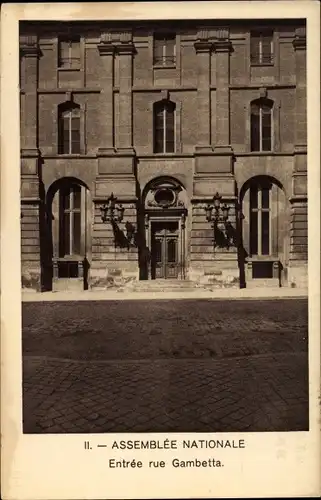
(203, 50)
(31, 213)
(299, 208)
(300, 147)
(125, 52)
(222, 48)
(116, 159)
(299, 44)
(106, 112)
(214, 167)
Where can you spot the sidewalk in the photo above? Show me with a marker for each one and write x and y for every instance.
(218, 294)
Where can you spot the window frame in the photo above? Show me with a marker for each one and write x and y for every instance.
(260, 104)
(70, 63)
(259, 210)
(163, 106)
(64, 109)
(65, 192)
(163, 37)
(259, 36)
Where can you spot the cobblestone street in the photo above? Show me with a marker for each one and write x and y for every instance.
(183, 365)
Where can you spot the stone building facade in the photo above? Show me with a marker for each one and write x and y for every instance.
(154, 151)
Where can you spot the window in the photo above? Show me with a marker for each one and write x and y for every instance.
(164, 127)
(165, 50)
(69, 129)
(69, 54)
(261, 125)
(262, 48)
(70, 220)
(260, 218)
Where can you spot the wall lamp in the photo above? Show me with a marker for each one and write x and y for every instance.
(112, 211)
(217, 212)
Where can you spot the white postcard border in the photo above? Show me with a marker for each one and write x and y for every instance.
(57, 466)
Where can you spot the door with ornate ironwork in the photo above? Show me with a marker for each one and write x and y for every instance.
(164, 257)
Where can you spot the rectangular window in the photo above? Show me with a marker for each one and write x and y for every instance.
(159, 131)
(164, 128)
(69, 131)
(262, 48)
(254, 232)
(165, 50)
(261, 127)
(69, 54)
(75, 135)
(70, 221)
(255, 130)
(266, 125)
(260, 223)
(170, 131)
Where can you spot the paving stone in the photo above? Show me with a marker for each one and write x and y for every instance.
(120, 379)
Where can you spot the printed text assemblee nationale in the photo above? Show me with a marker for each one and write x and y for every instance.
(172, 444)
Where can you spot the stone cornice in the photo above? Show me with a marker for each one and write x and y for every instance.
(203, 46)
(114, 153)
(301, 198)
(106, 49)
(300, 149)
(126, 49)
(299, 43)
(30, 200)
(209, 198)
(29, 153)
(222, 46)
(120, 199)
(30, 51)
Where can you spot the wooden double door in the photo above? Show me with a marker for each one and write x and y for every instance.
(164, 250)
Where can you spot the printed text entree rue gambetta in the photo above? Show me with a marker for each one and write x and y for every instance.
(168, 444)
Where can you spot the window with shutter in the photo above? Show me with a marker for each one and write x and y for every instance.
(164, 50)
(261, 125)
(69, 53)
(164, 127)
(261, 48)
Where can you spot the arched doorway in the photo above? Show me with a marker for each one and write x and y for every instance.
(69, 219)
(265, 230)
(165, 206)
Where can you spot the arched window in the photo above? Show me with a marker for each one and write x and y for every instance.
(261, 125)
(164, 127)
(69, 222)
(265, 226)
(69, 128)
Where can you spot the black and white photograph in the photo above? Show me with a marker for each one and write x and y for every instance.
(160, 249)
(169, 160)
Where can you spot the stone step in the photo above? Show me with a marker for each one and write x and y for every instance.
(164, 284)
(164, 289)
(263, 283)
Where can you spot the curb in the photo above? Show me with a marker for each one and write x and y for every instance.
(240, 294)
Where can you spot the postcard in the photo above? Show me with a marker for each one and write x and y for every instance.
(160, 250)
